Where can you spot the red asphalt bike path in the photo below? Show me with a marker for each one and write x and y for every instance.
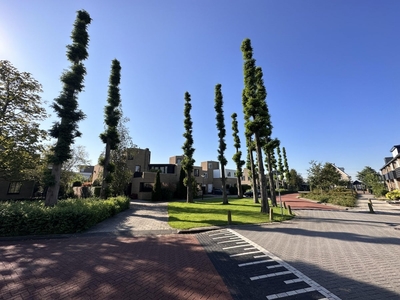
(297, 203)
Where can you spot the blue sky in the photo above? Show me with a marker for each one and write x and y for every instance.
(331, 69)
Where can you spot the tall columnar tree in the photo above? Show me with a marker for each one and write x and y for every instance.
(110, 136)
(66, 105)
(21, 112)
(237, 157)
(269, 146)
(250, 157)
(156, 194)
(281, 168)
(285, 163)
(221, 135)
(188, 150)
(257, 118)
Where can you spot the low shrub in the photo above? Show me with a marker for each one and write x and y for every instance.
(393, 195)
(68, 216)
(340, 196)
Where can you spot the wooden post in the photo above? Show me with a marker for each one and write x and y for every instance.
(271, 214)
(229, 217)
(371, 209)
(284, 204)
(290, 210)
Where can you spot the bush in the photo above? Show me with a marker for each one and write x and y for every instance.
(339, 196)
(68, 216)
(393, 195)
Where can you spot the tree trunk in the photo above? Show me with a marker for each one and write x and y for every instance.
(254, 178)
(271, 180)
(189, 195)
(224, 196)
(239, 187)
(52, 191)
(104, 184)
(261, 174)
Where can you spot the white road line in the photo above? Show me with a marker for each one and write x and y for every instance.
(231, 241)
(290, 293)
(293, 281)
(237, 246)
(275, 266)
(270, 275)
(223, 237)
(245, 253)
(255, 262)
(296, 272)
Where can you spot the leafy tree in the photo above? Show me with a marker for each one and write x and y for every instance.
(237, 157)
(122, 175)
(221, 135)
(111, 119)
(295, 180)
(285, 162)
(323, 177)
(372, 180)
(188, 150)
(250, 157)
(20, 114)
(66, 105)
(269, 146)
(181, 191)
(280, 168)
(156, 194)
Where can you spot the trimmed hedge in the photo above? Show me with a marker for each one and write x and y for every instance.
(68, 216)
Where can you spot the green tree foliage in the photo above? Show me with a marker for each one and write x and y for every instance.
(252, 169)
(156, 194)
(221, 135)
(269, 146)
(66, 105)
(188, 150)
(181, 190)
(285, 162)
(323, 177)
(295, 181)
(122, 175)
(20, 114)
(112, 116)
(257, 118)
(372, 180)
(280, 163)
(237, 157)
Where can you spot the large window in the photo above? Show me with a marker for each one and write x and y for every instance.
(196, 172)
(14, 187)
(146, 187)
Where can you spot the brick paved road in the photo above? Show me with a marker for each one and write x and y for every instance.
(163, 267)
(354, 255)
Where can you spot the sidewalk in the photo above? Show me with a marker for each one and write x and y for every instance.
(379, 206)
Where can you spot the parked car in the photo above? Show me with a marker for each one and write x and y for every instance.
(250, 194)
(217, 192)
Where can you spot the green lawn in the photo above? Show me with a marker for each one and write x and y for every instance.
(211, 212)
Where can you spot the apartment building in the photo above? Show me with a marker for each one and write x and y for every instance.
(391, 169)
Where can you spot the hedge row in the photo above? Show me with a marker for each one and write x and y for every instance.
(68, 216)
(340, 197)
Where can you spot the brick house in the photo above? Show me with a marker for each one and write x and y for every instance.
(391, 169)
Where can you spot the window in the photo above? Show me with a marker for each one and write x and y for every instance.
(210, 165)
(137, 168)
(229, 174)
(146, 187)
(14, 187)
(243, 178)
(196, 172)
(178, 161)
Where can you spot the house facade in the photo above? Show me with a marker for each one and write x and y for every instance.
(391, 169)
(14, 190)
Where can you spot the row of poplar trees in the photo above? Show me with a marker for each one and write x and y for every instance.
(258, 134)
(66, 107)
